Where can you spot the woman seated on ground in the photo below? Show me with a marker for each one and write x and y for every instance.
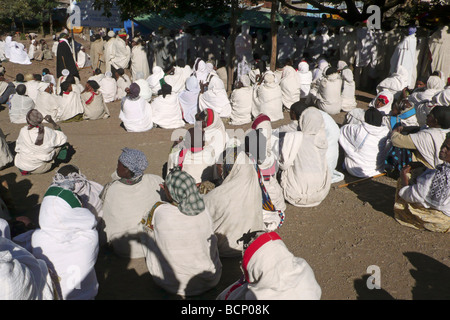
(423, 100)
(67, 239)
(348, 87)
(365, 145)
(94, 105)
(272, 272)
(267, 98)
(154, 80)
(290, 86)
(188, 99)
(126, 200)
(108, 87)
(305, 175)
(425, 143)
(166, 110)
(146, 91)
(423, 200)
(178, 240)
(123, 82)
(241, 102)
(135, 112)
(213, 95)
(251, 206)
(37, 147)
(327, 97)
(305, 77)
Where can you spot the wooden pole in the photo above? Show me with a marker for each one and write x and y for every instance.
(361, 180)
(273, 23)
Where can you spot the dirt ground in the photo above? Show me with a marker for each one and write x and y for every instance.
(344, 239)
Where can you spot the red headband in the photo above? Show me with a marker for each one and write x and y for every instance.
(384, 98)
(258, 243)
(261, 118)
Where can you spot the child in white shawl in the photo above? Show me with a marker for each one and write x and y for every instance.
(108, 87)
(328, 95)
(178, 240)
(272, 272)
(241, 102)
(166, 109)
(188, 99)
(305, 176)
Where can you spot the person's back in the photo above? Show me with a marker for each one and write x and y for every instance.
(365, 145)
(108, 88)
(68, 242)
(166, 110)
(329, 92)
(19, 104)
(241, 102)
(136, 113)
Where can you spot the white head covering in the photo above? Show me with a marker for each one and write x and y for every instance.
(111, 34)
(303, 67)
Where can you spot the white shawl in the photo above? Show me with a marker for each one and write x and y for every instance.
(181, 251)
(154, 79)
(19, 107)
(215, 97)
(123, 208)
(188, 99)
(123, 82)
(305, 176)
(428, 142)
(6, 155)
(241, 103)
(121, 54)
(405, 56)
(70, 106)
(145, 92)
(216, 135)
(290, 87)
(137, 115)
(348, 89)
(177, 80)
(231, 219)
(273, 273)
(267, 98)
(108, 88)
(365, 148)
(68, 242)
(139, 62)
(305, 78)
(47, 104)
(30, 156)
(396, 82)
(329, 97)
(167, 112)
(22, 276)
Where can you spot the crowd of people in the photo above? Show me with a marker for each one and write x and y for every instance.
(179, 80)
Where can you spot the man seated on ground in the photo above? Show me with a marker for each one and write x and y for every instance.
(126, 199)
(71, 108)
(108, 87)
(47, 102)
(37, 147)
(166, 110)
(35, 85)
(19, 104)
(6, 89)
(135, 112)
(94, 105)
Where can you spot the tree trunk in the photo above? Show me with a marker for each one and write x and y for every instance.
(273, 24)
(23, 27)
(231, 57)
(50, 20)
(41, 28)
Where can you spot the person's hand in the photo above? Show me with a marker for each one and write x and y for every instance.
(404, 175)
(398, 129)
(406, 169)
(49, 119)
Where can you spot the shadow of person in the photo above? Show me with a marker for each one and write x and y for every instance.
(432, 277)
(379, 195)
(22, 202)
(122, 278)
(364, 293)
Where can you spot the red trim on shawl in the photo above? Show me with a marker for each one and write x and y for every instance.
(89, 101)
(258, 243)
(210, 119)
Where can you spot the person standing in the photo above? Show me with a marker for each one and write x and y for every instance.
(65, 58)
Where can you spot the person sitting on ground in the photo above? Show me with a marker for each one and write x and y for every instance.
(20, 79)
(348, 86)
(328, 97)
(154, 80)
(241, 102)
(6, 155)
(108, 87)
(47, 102)
(176, 78)
(185, 270)
(34, 86)
(267, 98)
(97, 75)
(305, 78)
(37, 147)
(93, 103)
(71, 107)
(126, 199)
(19, 104)
(123, 82)
(22, 276)
(271, 272)
(146, 91)
(364, 145)
(6, 89)
(136, 113)
(290, 86)
(422, 200)
(188, 99)
(425, 143)
(305, 175)
(46, 73)
(214, 96)
(383, 102)
(67, 239)
(166, 110)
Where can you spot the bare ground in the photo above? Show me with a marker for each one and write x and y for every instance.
(342, 239)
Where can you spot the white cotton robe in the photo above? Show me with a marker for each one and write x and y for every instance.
(290, 87)
(136, 115)
(166, 112)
